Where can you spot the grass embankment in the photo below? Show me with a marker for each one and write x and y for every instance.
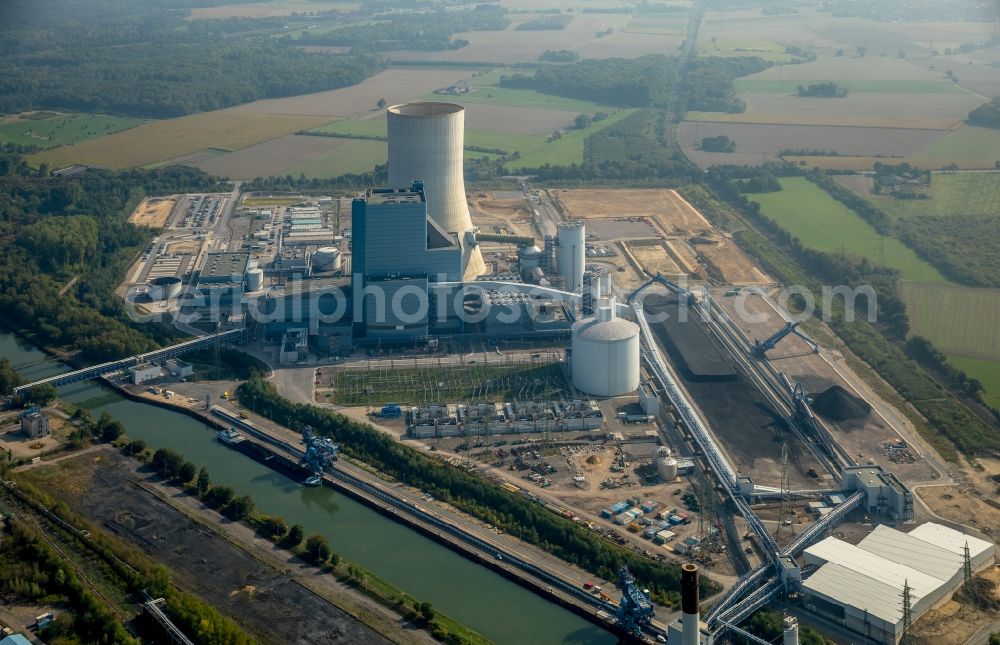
(937, 414)
(824, 224)
(471, 494)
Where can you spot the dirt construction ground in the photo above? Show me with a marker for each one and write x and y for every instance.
(673, 213)
(152, 212)
(270, 603)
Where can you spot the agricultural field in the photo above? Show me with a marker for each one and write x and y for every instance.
(511, 97)
(987, 371)
(50, 129)
(757, 143)
(950, 194)
(760, 47)
(889, 86)
(673, 24)
(269, 158)
(823, 223)
(955, 318)
(172, 138)
(270, 9)
(966, 143)
(351, 156)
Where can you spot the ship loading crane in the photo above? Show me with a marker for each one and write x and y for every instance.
(320, 452)
(760, 348)
(636, 609)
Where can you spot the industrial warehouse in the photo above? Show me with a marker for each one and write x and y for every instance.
(531, 337)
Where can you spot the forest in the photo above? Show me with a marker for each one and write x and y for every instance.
(986, 115)
(470, 493)
(648, 81)
(936, 239)
(429, 31)
(147, 61)
(54, 229)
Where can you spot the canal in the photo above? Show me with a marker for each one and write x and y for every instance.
(495, 607)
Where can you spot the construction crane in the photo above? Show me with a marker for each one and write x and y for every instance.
(761, 348)
(635, 609)
(320, 451)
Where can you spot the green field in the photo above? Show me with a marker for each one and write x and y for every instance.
(63, 129)
(493, 95)
(673, 25)
(893, 87)
(986, 371)
(972, 193)
(823, 223)
(958, 320)
(535, 149)
(352, 157)
(967, 142)
(761, 47)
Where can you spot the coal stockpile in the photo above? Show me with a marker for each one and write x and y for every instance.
(837, 404)
(688, 344)
(749, 429)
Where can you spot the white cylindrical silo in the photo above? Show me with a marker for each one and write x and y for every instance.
(165, 288)
(571, 253)
(326, 258)
(426, 143)
(255, 279)
(666, 468)
(605, 354)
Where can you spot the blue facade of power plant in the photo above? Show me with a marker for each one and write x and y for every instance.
(397, 251)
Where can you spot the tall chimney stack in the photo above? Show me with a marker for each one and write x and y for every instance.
(689, 604)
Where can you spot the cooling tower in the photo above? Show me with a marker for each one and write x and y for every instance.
(426, 143)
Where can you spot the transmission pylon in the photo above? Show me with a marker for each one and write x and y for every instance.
(785, 511)
(907, 613)
(968, 588)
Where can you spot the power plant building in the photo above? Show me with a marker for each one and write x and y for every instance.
(397, 250)
(426, 144)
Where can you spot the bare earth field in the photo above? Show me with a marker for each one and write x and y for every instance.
(669, 208)
(269, 158)
(172, 138)
(394, 85)
(942, 107)
(850, 67)
(833, 120)
(152, 212)
(759, 143)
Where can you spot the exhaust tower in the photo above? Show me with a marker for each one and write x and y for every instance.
(426, 143)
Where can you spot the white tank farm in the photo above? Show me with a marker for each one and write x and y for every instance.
(427, 143)
(571, 253)
(666, 466)
(255, 279)
(605, 356)
(326, 258)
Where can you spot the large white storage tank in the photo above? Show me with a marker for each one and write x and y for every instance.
(605, 354)
(571, 253)
(326, 258)
(426, 143)
(255, 279)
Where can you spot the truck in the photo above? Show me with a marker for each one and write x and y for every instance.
(390, 411)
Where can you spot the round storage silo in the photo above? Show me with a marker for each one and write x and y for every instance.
(666, 467)
(255, 279)
(326, 258)
(164, 288)
(605, 354)
(571, 253)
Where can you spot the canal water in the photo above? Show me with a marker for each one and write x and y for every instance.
(497, 608)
